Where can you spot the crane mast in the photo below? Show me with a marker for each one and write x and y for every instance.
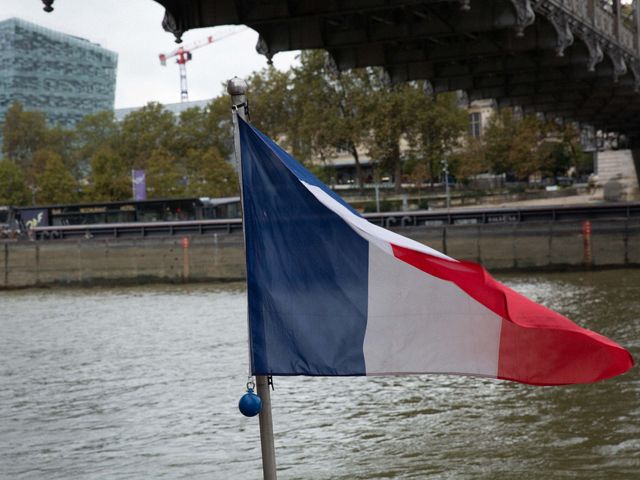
(183, 54)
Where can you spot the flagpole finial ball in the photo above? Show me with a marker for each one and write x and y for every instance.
(250, 404)
(236, 86)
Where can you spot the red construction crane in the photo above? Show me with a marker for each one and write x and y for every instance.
(184, 55)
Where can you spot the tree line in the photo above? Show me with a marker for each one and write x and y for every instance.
(182, 156)
(312, 110)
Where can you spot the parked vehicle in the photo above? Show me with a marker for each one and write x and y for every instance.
(9, 224)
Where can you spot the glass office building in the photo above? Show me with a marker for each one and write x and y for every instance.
(65, 77)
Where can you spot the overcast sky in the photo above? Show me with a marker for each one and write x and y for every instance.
(132, 28)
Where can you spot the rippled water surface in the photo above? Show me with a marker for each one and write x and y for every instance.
(144, 383)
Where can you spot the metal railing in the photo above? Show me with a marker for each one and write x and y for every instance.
(415, 219)
(619, 26)
(135, 229)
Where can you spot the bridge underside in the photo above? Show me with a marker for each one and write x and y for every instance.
(574, 59)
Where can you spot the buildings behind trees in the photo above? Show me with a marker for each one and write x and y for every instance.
(352, 127)
(63, 76)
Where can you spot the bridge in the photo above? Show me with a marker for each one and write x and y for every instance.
(573, 59)
(577, 60)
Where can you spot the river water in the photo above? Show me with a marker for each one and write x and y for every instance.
(144, 382)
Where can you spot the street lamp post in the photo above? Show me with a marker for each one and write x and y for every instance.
(445, 172)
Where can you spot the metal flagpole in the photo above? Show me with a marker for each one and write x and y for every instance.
(236, 87)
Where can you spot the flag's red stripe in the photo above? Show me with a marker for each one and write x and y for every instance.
(537, 345)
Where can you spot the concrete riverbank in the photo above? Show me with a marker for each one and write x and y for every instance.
(220, 256)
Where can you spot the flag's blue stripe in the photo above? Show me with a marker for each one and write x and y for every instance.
(307, 270)
(295, 167)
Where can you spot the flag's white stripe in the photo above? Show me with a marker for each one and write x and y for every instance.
(417, 323)
(379, 236)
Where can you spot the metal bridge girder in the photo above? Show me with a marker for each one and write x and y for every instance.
(488, 47)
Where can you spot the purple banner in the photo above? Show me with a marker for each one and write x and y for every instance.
(139, 182)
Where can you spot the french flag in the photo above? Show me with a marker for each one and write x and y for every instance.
(332, 294)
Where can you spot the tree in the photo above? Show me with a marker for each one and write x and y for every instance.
(271, 104)
(438, 126)
(62, 141)
(219, 125)
(526, 155)
(388, 116)
(529, 145)
(110, 178)
(191, 132)
(164, 177)
(317, 113)
(23, 133)
(39, 164)
(513, 144)
(578, 158)
(56, 184)
(145, 131)
(94, 133)
(13, 186)
(328, 109)
(470, 160)
(210, 175)
(498, 137)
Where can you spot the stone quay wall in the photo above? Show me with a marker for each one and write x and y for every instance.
(220, 257)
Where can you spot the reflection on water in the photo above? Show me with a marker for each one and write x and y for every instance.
(144, 383)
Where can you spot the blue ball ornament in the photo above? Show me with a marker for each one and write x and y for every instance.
(250, 404)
